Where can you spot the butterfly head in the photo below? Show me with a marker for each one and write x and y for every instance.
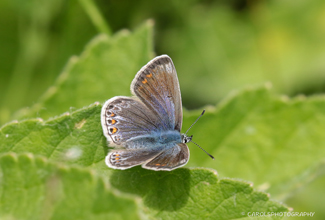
(186, 139)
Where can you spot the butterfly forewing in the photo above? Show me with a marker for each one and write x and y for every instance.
(157, 86)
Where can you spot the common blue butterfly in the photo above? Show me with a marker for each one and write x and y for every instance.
(145, 129)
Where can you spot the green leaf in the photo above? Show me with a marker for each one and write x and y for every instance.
(33, 188)
(71, 138)
(310, 199)
(252, 142)
(193, 194)
(253, 135)
(103, 70)
(273, 141)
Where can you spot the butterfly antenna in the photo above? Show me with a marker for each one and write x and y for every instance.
(202, 149)
(192, 135)
(195, 121)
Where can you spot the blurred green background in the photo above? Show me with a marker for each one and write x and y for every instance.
(216, 46)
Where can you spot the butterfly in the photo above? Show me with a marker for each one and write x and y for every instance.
(145, 129)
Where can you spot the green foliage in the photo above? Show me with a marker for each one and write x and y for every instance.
(105, 63)
(34, 188)
(275, 142)
(63, 139)
(277, 41)
(53, 168)
(44, 155)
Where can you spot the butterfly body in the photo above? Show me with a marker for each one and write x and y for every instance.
(145, 129)
(154, 139)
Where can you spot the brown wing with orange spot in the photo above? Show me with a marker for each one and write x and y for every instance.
(157, 86)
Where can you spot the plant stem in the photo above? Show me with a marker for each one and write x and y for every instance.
(96, 17)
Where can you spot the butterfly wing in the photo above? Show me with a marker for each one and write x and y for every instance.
(171, 158)
(134, 125)
(157, 86)
(124, 118)
(167, 158)
(124, 159)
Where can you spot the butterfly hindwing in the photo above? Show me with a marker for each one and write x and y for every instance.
(124, 159)
(170, 158)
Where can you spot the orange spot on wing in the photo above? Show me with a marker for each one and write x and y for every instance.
(117, 155)
(113, 121)
(112, 115)
(157, 164)
(149, 75)
(117, 158)
(114, 130)
(144, 81)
